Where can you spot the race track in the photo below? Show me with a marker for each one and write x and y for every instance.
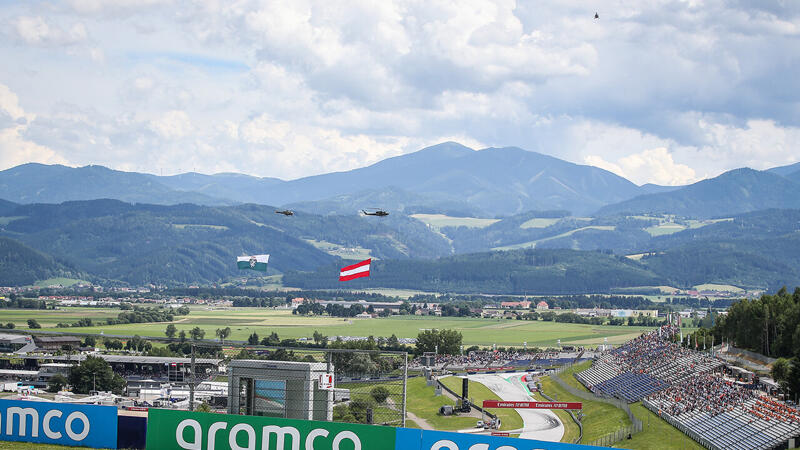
(539, 424)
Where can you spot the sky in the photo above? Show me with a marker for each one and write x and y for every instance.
(658, 91)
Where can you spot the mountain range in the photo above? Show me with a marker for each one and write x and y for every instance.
(446, 201)
(137, 244)
(447, 178)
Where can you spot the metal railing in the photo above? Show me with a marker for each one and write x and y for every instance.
(623, 432)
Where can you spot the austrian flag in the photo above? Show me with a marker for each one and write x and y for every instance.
(357, 270)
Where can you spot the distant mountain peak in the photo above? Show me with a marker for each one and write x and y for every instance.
(733, 192)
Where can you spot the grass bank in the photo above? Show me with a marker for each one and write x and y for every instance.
(599, 418)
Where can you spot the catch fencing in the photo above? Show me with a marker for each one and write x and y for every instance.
(328, 384)
(623, 432)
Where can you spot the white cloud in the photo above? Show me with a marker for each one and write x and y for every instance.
(172, 125)
(14, 149)
(653, 90)
(9, 102)
(113, 7)
(653, 166)
(37, 31)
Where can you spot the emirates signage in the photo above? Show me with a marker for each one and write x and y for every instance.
(532, 405)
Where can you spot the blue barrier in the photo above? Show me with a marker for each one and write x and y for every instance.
(131, 432)
(58, 423)
(406, 438)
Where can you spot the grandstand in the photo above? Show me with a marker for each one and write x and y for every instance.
(691, 391)
(721, 414)
(643, 366)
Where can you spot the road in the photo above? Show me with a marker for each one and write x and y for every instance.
(540, 424)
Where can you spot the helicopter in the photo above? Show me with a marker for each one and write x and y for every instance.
(285, 212)
(375, 212)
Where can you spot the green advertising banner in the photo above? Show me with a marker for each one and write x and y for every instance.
(170, 429)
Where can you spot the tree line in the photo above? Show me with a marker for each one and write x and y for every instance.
(769, 325)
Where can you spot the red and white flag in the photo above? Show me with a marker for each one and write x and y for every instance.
(357, 270)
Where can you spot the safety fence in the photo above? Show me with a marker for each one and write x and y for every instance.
(571, 414)
(620, 434)
(623, 432)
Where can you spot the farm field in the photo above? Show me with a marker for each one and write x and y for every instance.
(441, 220)
(539, 222)
(719, 287)
(532, 244)
(245, 321)
(341, 250)
(66, 282)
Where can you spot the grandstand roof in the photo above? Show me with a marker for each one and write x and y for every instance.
(6, 337)
(140, 359)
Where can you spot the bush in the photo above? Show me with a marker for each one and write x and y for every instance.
(56, 383)
(359, 407)
(380, 394)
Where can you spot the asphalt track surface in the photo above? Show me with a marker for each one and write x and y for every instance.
(540, 424)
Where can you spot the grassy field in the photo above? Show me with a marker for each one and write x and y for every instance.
(670, 227)
(509, 418)
(719, 287)
(571, 430)
(539, 222)
(422, 403)
(66, 282)
(656, 434)
(341, 250)
(600, 418)
(245, 321)
(440, 220)
(183, 226)
(532, 244)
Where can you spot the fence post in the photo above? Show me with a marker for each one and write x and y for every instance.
(193, 382)
(405, 382)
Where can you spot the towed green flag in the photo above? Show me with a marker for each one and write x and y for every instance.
(253, 262)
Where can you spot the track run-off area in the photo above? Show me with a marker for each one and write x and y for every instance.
(538, 424)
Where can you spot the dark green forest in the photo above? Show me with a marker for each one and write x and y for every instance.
(189, 244)
(511, 272)
(112, 242)
(21, 265)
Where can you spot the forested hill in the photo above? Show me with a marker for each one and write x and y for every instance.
(734, 192)
(22, 265)
(6, 206)
(189, 244)
(511, 272)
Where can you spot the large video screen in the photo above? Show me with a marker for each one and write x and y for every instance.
(270, 398)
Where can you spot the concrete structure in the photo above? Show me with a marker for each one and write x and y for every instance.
(55, 343)
(49, 370)
(158, 368)
(279, 389)
(13, 342)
